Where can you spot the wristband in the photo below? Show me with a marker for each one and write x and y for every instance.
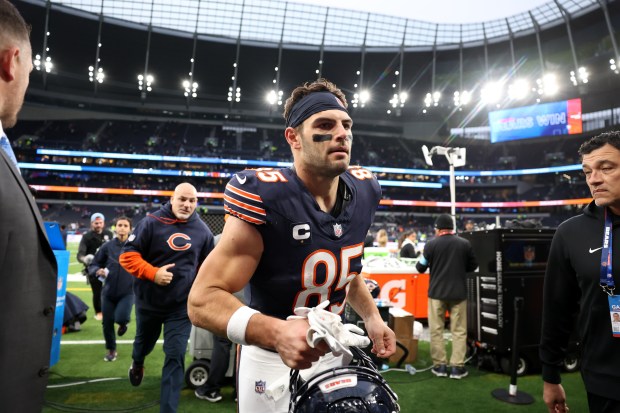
(238, 323)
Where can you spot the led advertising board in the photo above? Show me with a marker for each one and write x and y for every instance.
(545, 119)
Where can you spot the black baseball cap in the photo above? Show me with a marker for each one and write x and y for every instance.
(444, 221)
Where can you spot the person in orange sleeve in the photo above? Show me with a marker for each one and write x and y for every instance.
(164, 253)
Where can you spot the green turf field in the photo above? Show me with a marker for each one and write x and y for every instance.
(74, 265)
(94, 385)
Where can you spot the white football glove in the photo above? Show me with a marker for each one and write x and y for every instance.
(327, 326)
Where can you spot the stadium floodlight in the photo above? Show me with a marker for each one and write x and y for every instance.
(394, 101)
(273, 97)
(491, 93)
(145, 82)
(583, 75)
(360, 99)
(190, 88)
(399, 99)
(364, 97)
(461, 98)
(234, 94)
(428, 100)
(518, 89)
(99, 76)
(456, 158)
(613, 66)
(432, 99)
(573, 78)
(548, 85)
(39, 64)
(403, 96)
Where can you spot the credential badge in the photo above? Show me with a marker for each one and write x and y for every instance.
(338, 230)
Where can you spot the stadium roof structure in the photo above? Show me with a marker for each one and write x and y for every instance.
(236, 60)
(298, 25)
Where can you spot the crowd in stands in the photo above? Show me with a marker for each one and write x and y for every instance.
(186, 139)
(236, 142)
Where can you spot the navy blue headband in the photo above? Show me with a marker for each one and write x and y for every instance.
(310, 104)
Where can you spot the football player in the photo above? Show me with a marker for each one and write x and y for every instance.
(294, 239)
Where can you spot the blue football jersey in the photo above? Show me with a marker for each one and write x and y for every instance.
(309, 255)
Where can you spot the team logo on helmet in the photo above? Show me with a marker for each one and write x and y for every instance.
(259, 386)
(338, 383)
(338, 230)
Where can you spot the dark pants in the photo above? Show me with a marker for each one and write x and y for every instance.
(96, 286)
(176, 333)
(115, 310)
(219, 363)
(600, 404)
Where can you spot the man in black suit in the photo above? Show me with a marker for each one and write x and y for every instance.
(27, 262)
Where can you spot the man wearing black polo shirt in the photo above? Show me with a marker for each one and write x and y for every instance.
(449, 258)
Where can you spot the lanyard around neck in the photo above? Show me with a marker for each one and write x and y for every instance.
(607, 279)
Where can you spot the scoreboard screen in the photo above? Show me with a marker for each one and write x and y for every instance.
(545, 119)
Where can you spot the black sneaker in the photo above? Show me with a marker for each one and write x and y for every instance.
(213, 396)
(136, 373)
(122, 329)
(440, 370)
(458, 372)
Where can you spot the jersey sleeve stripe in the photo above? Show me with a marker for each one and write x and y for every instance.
(243, 205)
(243, 193)
(243, 216)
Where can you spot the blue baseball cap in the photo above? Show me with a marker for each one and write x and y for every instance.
(96, 216)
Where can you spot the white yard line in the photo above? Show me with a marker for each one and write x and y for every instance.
(62, 342)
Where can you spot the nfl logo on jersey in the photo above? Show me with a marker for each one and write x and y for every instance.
(259, 386)
(338, 230)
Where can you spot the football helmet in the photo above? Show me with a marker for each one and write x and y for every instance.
(356, 388)
(373, 287)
